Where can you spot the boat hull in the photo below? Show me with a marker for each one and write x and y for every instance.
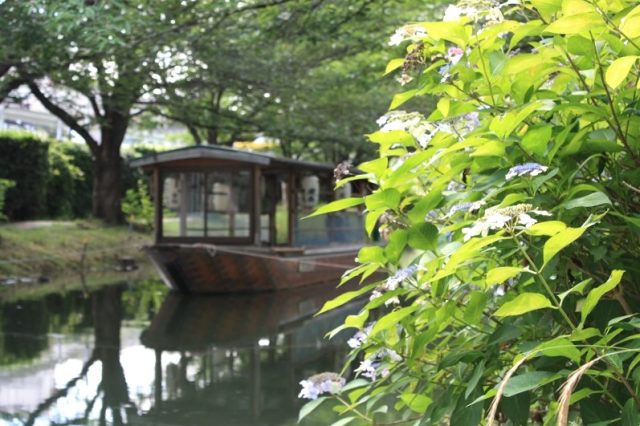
(217, 269)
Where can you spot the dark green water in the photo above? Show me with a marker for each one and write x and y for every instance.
(135, 354)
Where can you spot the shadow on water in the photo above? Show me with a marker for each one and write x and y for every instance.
(124, 355)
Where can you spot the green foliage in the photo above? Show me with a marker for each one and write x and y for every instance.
(137, 205)
(511, 219)
(5, 184)
(24, 160)
(69, 184)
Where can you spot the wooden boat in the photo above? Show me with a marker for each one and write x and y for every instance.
(233, 221)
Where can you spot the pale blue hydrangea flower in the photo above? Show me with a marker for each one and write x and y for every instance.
(526, 169)
(368, 369)
(360, 337)
(469, 206)
(321, 383)
(400, 276)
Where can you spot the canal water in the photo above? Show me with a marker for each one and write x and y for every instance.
(135, 354)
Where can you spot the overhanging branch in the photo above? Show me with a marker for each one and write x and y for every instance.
(65, 117)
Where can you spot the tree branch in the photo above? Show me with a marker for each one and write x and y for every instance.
(65, 117)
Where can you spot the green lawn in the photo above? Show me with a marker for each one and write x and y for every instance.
(51, 250)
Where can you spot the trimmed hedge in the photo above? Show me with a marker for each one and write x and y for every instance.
(53, 179)
(24, 159)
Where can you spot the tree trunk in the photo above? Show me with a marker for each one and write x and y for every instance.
(212, 136)
(107, 187)
(108, 168)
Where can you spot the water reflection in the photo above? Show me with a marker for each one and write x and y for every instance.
(123, 355)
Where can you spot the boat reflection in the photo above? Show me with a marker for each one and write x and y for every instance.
(237, 359)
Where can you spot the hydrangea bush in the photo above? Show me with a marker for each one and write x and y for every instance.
(510, 220)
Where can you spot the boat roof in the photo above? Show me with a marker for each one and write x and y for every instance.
(222, 153)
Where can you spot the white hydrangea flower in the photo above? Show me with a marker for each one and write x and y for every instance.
(452, 13)
(499, 218)
(407, 32)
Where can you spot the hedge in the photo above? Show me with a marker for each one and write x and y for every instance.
(24, 160)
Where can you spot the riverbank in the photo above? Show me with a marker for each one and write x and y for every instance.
(46, 250)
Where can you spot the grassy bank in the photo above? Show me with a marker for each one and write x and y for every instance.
(51, 249)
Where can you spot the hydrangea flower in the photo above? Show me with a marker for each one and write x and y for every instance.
(321, 383)
(454, 54)
(400, 276)
(486, 11)
(496, 218)
(411, 122)
(526, 169)
(407, 32)
(469, 206)
(360, 337)
(370, 367)
(367, 368)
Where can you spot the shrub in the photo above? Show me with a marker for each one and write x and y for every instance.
(511, 222)
(24, 159)
(137, 205)
(5, 184)
(68, 191)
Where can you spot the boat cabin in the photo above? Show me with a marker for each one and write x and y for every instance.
(219, 195)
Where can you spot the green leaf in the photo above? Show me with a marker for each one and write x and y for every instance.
(371, 220)
(630, 413)
(502, 274)
(450, 31)
(337, 205)
(474, 379)
(475, 307)
(416, 402)
(630, 24)
(401, 98)
(345, 298)
(390, 320)
(548, 228)
(559, 347)
(526, 381)
(393, 65)
(395, 245)
(591, 200)
(393, 137)
(489, 149)
(596, 294)
(619, 70)
(516, 408)
(559, 241)
(386, 199)
(577, 23)
(424, 206)
(344, 422)
(376, 167)
(423, 236)
(536, 139)
(547, 8)
(356, 321)
(309, 407)
(371, 254)
(578, 288)
(523, 303)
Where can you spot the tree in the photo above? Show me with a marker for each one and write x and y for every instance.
(112, 58)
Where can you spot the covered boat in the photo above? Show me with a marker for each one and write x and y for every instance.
(233, 221)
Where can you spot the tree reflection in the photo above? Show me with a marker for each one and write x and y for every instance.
(106, 311)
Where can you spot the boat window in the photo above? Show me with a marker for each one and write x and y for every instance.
(200, 204)
(336, 228)
(229, 204)
(274, 215)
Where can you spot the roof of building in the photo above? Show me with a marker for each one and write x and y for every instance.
(215, 152)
